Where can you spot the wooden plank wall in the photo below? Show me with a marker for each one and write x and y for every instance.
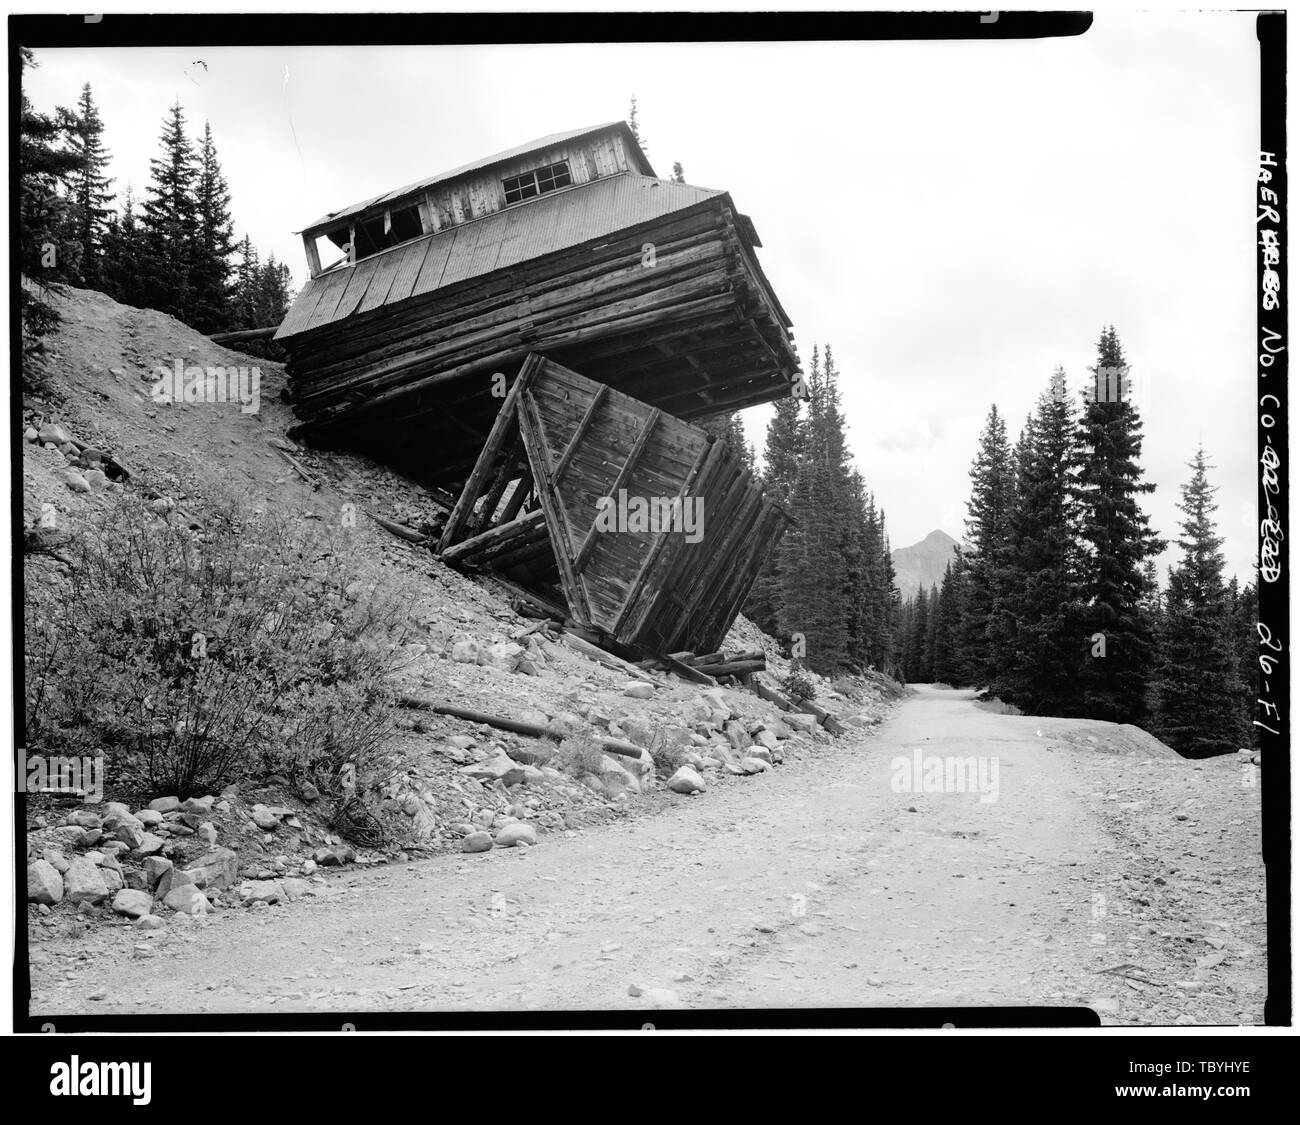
(643, 587)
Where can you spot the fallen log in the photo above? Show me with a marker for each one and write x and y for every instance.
(733, 667)
(399, 529)
(244, 334)
(829, 721)
(607, 659)
(517, 726)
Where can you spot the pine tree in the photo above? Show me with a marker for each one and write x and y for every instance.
(1198, 694)
(170, 222)
(679, 175)
(987, 528)
(48, 253)
(90, 197)
(814, 553)
(1117, 540)
(634, 124)
(213, 246)
(781, 454)
(1035, 629)
(244, 298)
(124, 253)
(930, 657)
(1245, 615)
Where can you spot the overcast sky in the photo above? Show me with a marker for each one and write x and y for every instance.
(955, 219)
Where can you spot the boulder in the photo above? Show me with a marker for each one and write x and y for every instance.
(130, 833)
(477, 842)
(217, 868)
(199, 805)
(149, 818)
(44, 883)
(465, 652)
(149, 845)
(165, 804)
(84, 882)
(754, 765)
(133, 904)
(639, 689)
(155, 867)
(505, 657)
(149, 922)
(515, 834)
(170, 879)
(295, 888)
(686, 780)
(266, 820)
(55, 859)
(767, 739)
(737, 736)
(75, 481)
(83, 818)
(799, 720)
(268, 891)
(187, 899)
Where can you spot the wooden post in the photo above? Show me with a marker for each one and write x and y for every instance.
(501, 428)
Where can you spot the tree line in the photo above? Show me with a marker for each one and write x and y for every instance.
(173, 250)
(1054, 604)
(828, 589)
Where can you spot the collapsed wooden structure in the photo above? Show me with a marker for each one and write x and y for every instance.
(653, 530)
(533, 333)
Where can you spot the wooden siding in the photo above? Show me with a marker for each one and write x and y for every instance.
(651, 588)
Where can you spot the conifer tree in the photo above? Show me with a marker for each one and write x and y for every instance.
(781, 454)
(814, 554)
(1198, 693)
(170, 221)
(930, 658)
(47, 248)
(1035, 628)
(89, 195)
(124, 252)
(213, 245)
(1245, 615)
(987, 527)
(1117, 540)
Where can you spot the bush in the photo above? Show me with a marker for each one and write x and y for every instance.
(798, 685)
(193, 658)
(666, 757)
(848, 687)
(580, 754)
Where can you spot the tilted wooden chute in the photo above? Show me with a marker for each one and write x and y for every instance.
(653, 531)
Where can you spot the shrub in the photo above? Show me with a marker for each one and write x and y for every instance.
(798, 685)
(194, 658)
(848, 687)
(580, 754)
(667, 757)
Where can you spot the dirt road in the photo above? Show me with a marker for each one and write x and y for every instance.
(1098, 875)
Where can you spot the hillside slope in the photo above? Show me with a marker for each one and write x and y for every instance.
(96, 383)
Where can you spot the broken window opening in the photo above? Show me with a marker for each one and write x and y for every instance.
(537, 182)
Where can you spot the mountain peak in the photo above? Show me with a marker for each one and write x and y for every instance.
(923, 563)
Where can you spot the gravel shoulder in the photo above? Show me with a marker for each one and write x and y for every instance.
(1106, 873)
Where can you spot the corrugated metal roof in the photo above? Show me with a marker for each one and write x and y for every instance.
(558, 221)
(486, 162)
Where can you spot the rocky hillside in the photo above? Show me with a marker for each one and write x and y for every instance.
(95, 431)
(923, 563)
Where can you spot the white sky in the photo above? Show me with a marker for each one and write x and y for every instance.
(955, 218)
